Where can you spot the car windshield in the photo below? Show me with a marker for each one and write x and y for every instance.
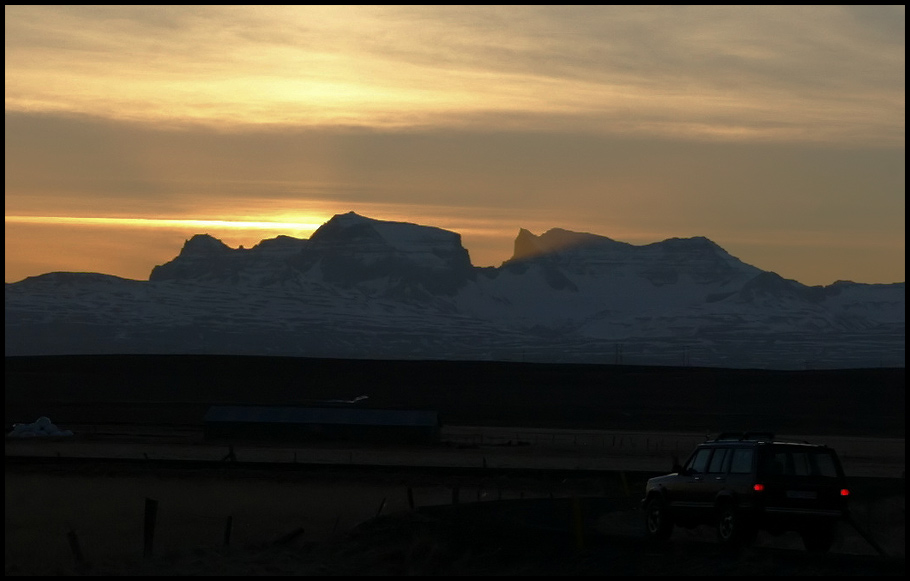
(698, 463)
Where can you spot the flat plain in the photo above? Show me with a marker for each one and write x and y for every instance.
(365, 509)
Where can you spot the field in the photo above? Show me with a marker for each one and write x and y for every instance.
(338, 518)
(553, 496)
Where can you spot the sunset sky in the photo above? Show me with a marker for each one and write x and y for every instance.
(777, 132)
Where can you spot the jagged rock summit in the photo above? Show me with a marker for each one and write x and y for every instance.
(351, 249)
(366, 288)
(427, 246)
(557, 240)
(348, 250)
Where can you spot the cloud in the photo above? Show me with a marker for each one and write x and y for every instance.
(639, 123)
(483, 184)
(719, 73)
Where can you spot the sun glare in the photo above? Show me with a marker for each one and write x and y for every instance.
(165, 222)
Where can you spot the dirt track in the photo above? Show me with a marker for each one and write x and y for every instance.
(462, 446)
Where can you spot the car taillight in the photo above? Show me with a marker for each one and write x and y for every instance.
(844, 492)
(760, 487)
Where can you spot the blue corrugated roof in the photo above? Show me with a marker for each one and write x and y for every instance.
(304, 415)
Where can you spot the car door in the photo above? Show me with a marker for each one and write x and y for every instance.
(689, 497)
(715, 481)
(740, 476)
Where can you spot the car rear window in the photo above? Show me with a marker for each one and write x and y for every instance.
(803, 463)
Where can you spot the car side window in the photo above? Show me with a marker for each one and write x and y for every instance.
(792, 463)
(741, 462)
(699, 462)
(718, 463)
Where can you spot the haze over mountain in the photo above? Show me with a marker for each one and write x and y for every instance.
(366, 288)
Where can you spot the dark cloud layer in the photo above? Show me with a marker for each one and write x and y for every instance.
(644, 188)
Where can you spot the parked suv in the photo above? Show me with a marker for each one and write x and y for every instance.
(745, 482)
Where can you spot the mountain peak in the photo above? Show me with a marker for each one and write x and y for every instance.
(200, 254)
(691, 242)
(556, 240)
(280, 244)
(527, 245)
(204, 245)
(351, 249)
(400, 236)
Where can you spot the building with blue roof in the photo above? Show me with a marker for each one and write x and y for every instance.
(301, 424)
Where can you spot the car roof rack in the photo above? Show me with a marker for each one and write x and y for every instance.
(742, 436)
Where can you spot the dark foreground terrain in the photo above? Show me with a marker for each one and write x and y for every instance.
(410, 544)
(148, 389)
(360, 523)
(356, 521)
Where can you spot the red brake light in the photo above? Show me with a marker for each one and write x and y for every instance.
(844, 492)
(760, 487)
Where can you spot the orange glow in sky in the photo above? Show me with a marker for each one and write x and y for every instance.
(307, 228)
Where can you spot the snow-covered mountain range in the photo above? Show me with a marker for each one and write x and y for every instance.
(366, 288)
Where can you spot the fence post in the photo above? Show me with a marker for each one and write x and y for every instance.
(579, 524)
(227, 530)
(74, 546)
(151, 516)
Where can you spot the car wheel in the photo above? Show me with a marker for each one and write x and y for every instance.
(658, 524)
(818, 539)
(733, 528)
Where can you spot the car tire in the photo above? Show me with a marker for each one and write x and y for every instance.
(658, 523)
(733, 528)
